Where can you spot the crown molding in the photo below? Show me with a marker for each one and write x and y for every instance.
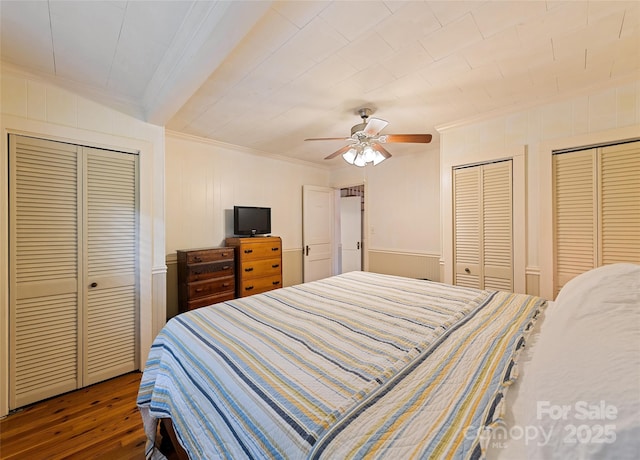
(503, 111)
(249, 150)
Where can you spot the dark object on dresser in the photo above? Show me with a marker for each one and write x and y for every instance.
(205, 276)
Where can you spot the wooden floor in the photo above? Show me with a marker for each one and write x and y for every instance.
(98, 422)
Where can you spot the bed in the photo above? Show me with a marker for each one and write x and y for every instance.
(357, 365)
(577, 391)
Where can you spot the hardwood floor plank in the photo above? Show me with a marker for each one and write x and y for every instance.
(98, 422)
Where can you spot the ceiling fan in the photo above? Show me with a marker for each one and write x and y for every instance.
(364, 143)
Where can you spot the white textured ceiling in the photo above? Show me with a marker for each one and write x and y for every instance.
(266, 75)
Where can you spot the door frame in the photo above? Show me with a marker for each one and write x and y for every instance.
(364, 243)
(338, 229)
(543, 154)
(518, 155)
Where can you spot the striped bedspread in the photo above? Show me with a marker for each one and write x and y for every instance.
(356, 365)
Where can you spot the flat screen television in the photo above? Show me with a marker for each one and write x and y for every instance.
(251, 220)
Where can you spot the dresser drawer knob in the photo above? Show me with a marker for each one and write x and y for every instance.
(248, 251)
(248, 288)
(226, 267)
(248, 269)
(275, 249)
(275, 283)
(225, 284)
(275, 265)
(197, 259)
(199, 289)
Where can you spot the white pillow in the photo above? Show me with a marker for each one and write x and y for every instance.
(578, 396)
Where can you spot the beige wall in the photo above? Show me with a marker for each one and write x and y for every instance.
(411, 265)
(402, 212)
(205, 179)
(402, 201)
(31, 107)
(601, 116)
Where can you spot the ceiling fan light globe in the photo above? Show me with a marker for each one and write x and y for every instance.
(369, 154)
(359, 161)
(349, 156)
(378, 158)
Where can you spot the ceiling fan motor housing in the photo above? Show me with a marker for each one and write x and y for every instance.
(364, 114)
(358, 128)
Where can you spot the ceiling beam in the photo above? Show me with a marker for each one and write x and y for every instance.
(210, 32)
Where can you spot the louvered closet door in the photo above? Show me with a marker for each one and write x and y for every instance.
(597, 209)
(575, 214)
(619, 209)
(483, 240)
(467, 226)
(43, 276)
(110, 248)
(73, 245)
(497, 221)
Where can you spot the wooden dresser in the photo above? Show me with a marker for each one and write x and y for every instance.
(205, 276)
(258, 264)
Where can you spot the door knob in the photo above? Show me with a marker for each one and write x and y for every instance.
(307, 249)
(94, 284)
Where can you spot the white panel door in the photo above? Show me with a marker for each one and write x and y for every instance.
(351, 233)
(317, 232)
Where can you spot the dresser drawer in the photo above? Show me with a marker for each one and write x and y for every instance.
(205, 276)
(210, 300)
(203, 271)
(260, 250)
(209, 255)
(258, 264)
(210, 287)
(259, 268)
(258, 285)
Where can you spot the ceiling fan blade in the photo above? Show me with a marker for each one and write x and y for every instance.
(328, 139)
(374, 126)
(415, 138)
(385, 153)
(338, 152)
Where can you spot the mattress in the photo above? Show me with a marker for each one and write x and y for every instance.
(357, 365)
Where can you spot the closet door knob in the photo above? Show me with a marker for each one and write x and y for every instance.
(94, 284)
(466, 270)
